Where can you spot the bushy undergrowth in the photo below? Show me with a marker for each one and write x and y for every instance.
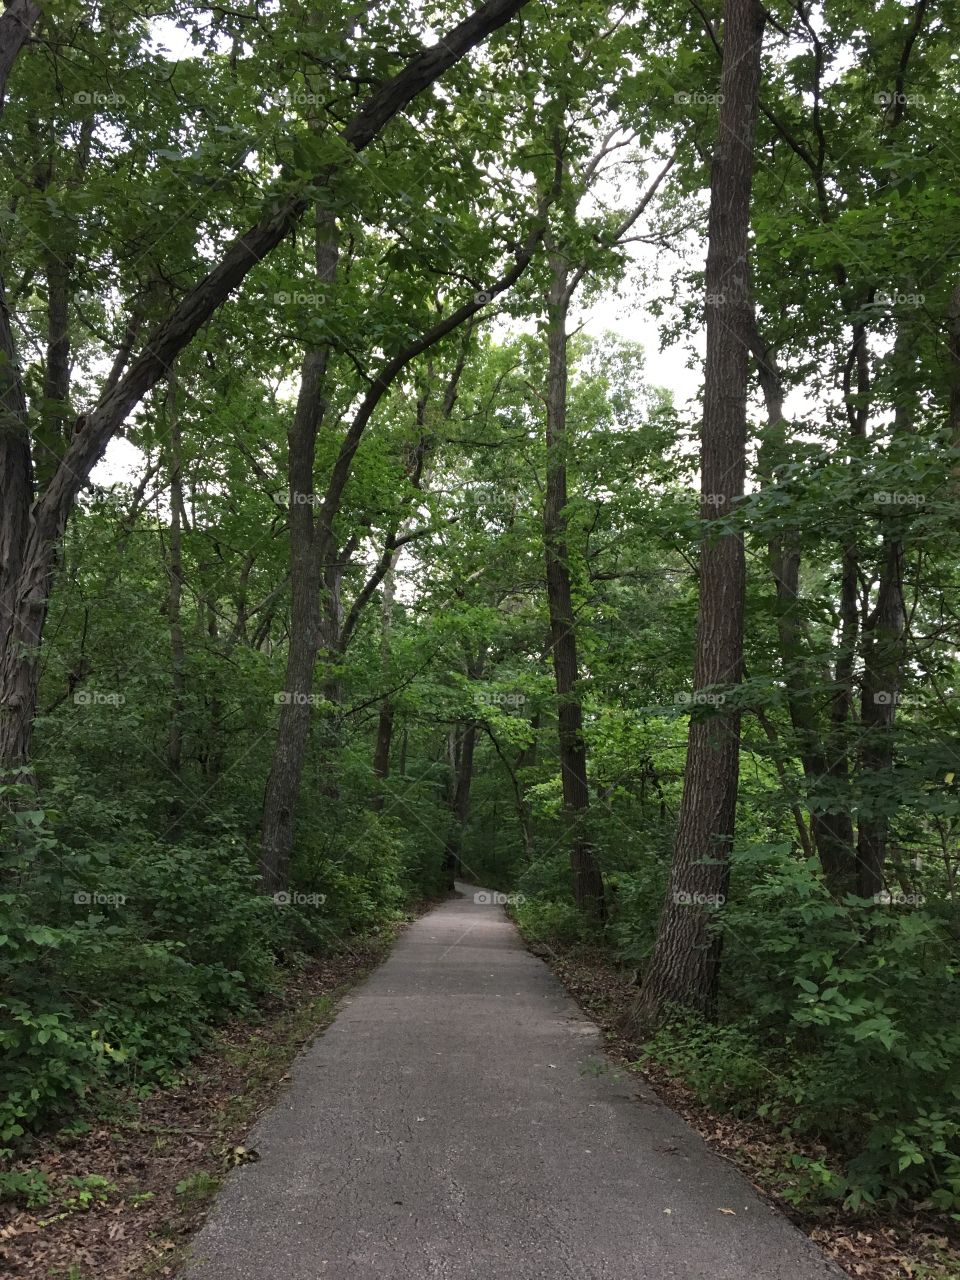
(118, 953)
(839, 1023)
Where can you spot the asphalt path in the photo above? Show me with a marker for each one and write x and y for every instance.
(459, 1121)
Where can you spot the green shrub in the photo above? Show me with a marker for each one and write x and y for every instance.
(359, 869)
(544, 920)
(842, 1024)
(116, 969)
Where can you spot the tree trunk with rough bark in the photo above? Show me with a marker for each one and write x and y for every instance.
(25, 566)
(306, 572)
(19, 18)
(884, 653)
(684, 968)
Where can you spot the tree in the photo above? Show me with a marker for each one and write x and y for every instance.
(684, 966)
(32, 524)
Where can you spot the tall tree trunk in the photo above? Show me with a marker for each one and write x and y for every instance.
(178, 682)
(331, 626)
(25, 568)
(587, 880)
(15, 26)
(54, 413)
(838, 745)
(381, 750)
(283, 783)
(381, 753)
(684, 968)
(884, 653)
(832, 832)
(466, 742)
(329, 654)
(306, 577)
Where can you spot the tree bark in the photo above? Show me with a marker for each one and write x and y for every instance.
(466, 743)
(22, 594)
(17, 21)
(178, 685)
(884, 652)
(684, 968)
(381, 750)
(587, 879)
(832, 832)
(306, 578)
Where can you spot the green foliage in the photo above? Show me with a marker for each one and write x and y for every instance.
(546, 921)
(841, 1023)
(363, 869)
(31, 1188)
(88, 1190)
(130, 915)
(119, 954)
(198, 1188)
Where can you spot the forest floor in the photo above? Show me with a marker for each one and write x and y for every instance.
(891, 1246)
(459, 1120)
(130, 1190)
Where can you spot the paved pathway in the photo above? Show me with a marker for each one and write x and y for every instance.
(458, 1121)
